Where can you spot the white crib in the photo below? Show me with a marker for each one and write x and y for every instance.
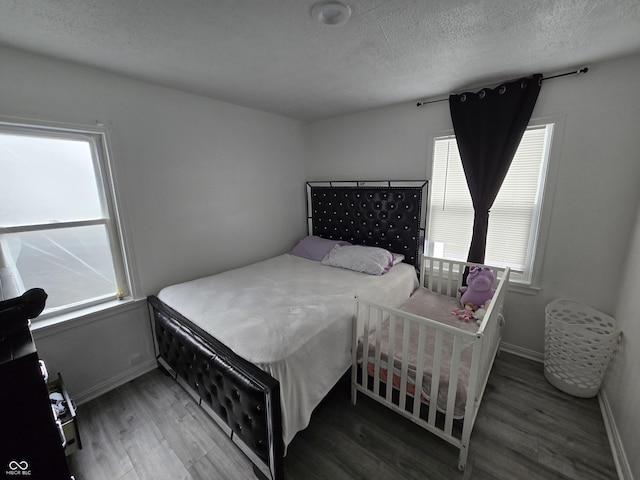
(449, 361)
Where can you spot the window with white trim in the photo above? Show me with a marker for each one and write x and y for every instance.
(58, 222)
(514, 218)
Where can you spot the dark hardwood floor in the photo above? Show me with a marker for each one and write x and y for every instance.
(526, 429)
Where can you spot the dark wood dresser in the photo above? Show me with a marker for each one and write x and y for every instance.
(32, 442)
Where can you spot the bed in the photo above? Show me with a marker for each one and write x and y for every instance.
(260, 346)
(424, 362)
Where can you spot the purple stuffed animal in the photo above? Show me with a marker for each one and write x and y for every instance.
(480, 287)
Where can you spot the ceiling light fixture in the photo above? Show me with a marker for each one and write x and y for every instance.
(331, 13)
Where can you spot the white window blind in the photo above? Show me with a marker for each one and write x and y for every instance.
(514, 216)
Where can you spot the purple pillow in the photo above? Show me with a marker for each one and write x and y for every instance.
(315, 248)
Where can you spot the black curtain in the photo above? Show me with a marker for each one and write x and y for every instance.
(488, 126)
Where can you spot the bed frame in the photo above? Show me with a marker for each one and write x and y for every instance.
(443, 277)
(243, 399)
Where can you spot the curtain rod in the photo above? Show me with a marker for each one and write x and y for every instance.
(576, 72)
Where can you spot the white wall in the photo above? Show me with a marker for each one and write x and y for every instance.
(596, 191)
(591, 233)
(622, 383)
(97, 352)
(204, 186)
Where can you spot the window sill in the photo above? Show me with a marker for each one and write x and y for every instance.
(523, 288)
(65, 321)
(516, 285)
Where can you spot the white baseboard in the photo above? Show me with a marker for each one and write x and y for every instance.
(522, 352)
(103, 387)
(617, 448)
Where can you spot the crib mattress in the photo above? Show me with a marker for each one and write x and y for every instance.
(435, 307)
(292, 318)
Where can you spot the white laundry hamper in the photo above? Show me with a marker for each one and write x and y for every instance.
(579, 343)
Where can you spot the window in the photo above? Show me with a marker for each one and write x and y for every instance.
(515, 217)
(58, 228)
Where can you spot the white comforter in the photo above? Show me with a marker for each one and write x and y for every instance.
(291, 317)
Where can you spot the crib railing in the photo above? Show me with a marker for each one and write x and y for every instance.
(440, 276)
(445, 276)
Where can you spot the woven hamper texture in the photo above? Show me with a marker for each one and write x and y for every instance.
(579, 343)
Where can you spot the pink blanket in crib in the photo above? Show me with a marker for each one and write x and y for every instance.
(435, 307)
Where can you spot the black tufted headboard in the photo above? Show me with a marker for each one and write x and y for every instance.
(387, 214)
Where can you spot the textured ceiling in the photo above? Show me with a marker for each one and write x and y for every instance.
(273, 56)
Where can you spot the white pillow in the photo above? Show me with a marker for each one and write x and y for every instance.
(371, 260)
(397, 258)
